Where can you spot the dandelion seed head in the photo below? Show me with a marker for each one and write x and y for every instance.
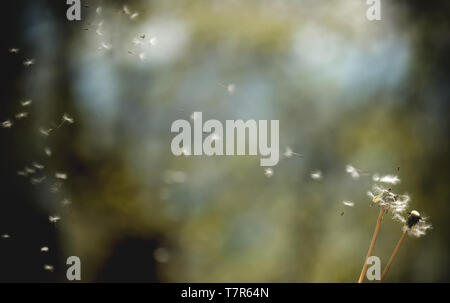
(268, 172)
(388, 200)
(416, 225)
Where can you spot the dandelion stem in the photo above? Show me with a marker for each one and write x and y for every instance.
(397, 248)
(372, 246)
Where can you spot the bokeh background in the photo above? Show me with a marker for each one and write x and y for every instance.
(346, 91)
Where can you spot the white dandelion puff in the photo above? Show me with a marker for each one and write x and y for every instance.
(44, 249)
(38, 166)
(316, 175)
(6, 236)
(45, 131)
(134, 16)
(99, 10)
(386, 199)
(14, 50)
(125, 10)
(105, 46)
(268, 172)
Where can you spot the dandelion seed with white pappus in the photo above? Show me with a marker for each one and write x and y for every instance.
(7, 124)
(50, 268)
(289, 153)
(99, 10)
(36, 181)
(61, 176)
(21, 115)
(390, 179)
(6, 236)
(44, 249)
(68, 119)
(316, 175)
(48, 152)
(268, 172)
(54, 219)
(26, 103)
(134, 16)
(153, 41)
(348, 203)
(38, 166)
(28, 62)
(414, 225)
(352, 171)
(14, 50)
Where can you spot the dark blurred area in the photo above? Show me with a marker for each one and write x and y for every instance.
(138, 213)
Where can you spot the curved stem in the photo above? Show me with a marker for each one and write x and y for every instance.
(372, 246)
(394, 254)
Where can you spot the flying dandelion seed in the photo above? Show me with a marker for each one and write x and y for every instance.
(268, 172)
(99, 10)
(61, 176)
(22, 173)
(36, 181)
(390, 179)
(153, 41)
(142, 56)
(125, 10)
(316, 175)
(49, 267)
(44, 249)
(231, 88)
(54, 219)
(26, 103)
(55, 187)
(68, 119)
(28, 62)
(45, 132)
(289, 153)
(29, 170)
(38, 166)
(134, 16)
(348, 203)
(48, 152)
(352, 171)
(21, 115)
(105, 46)
(99, 32)
(14, 50)
(6, 236)
(142, 36)
(7, 124)
(161, 255)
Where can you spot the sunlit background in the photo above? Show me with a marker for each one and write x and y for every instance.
(347, 91)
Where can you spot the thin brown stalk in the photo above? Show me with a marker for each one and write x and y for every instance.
(372, 245)
(394, 254)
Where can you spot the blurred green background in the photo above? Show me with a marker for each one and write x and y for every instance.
(345, 90)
